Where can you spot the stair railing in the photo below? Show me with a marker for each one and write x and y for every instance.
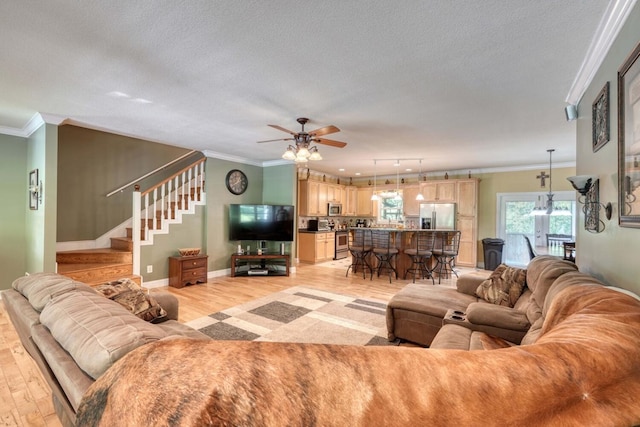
(164, 203)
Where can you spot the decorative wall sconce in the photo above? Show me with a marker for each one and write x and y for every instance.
(589, 187)
(35, 190)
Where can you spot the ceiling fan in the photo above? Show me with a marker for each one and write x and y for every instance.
(302, 150)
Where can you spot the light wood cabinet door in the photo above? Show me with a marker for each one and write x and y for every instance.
(439, 191)
(323, 200)
(330, 246)
(410, 205)
(467, 251)
(308, 198)
(365, 205)
(316, 247)
(467, 197)
(351, 201)
(334, 193)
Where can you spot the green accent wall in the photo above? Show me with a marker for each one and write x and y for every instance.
(94, 163)
(219, 248)
(13, 187)
(612, 255)
(188, 234)
(280, 187)
(42, 154)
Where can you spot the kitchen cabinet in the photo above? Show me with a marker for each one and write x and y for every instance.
(467, 253)
(350, 203)
(467, 190)
(316, 247)
(410, 205)
(334, 193)
(439, 191)
(309, 198)
(314, 197)
(467, 221)
(366, 206)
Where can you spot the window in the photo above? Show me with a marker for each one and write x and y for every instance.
(389, 207)
(514, 221)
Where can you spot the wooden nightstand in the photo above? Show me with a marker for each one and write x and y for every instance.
(185, 270)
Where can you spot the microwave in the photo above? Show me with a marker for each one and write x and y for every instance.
(334, 209)
(318, 225)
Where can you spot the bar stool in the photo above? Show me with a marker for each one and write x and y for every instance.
(420, 254)
(384, 251)
(360, 246)
(445, 252)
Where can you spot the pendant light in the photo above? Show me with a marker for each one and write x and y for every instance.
(419, 196)
(397, 196)
(374, 196)
(548, 208)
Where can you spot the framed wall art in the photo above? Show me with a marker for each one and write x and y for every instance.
(629, 141)
(600, 119)
(33, 190)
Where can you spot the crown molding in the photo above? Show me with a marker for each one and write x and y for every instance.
(237, 159)
(612, 21)
(29, 128)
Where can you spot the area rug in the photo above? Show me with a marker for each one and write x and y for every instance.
(300, 314)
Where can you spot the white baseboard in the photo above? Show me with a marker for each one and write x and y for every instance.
(210, 275)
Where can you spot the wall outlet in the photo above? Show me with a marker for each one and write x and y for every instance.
(149, 268)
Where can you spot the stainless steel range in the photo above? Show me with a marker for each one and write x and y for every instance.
(342, 244)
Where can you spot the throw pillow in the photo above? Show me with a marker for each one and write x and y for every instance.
(504, 286)
(128, 294)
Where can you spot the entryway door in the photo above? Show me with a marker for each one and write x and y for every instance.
(515, 221)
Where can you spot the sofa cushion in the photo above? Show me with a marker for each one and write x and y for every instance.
(94, 330)
(497, 316)
(39, 288)
(548, 276)
(504, 286)
(469, 282)
(128, 294)
(533, 333)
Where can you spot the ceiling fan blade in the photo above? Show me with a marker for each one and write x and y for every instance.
(283, 129)
(272, 140)
(324, 131)
(331, 142)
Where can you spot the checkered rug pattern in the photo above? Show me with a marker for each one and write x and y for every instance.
(301, 314)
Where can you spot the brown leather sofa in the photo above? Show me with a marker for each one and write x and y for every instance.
(417, 312)
(75, 334)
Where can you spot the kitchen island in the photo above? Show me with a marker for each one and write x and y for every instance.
(402, 239)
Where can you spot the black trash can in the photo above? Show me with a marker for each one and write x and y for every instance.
(492, 252)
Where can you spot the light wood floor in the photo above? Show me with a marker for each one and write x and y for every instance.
(25, 398)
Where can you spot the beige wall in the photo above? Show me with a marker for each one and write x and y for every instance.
(511, 182)
(611, 255)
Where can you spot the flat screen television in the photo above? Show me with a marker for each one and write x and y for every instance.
(261, 222)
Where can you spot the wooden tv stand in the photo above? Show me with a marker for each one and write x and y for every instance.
(238, 260)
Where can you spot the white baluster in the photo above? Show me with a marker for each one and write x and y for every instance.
(146, 217)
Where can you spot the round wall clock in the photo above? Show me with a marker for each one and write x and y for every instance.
(236, 181)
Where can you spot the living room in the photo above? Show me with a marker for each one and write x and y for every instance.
(30, 237)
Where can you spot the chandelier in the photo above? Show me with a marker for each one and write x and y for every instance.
(303, 151)
(548, 208)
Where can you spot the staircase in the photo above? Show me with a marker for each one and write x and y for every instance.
(95, 266)
(164, 204)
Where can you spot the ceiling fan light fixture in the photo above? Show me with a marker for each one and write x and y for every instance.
(303, 152)
(289, 154)
(315, 154)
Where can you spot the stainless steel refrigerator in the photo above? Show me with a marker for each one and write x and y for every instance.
(438, 216)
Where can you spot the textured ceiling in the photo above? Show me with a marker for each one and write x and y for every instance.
(460, 84)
